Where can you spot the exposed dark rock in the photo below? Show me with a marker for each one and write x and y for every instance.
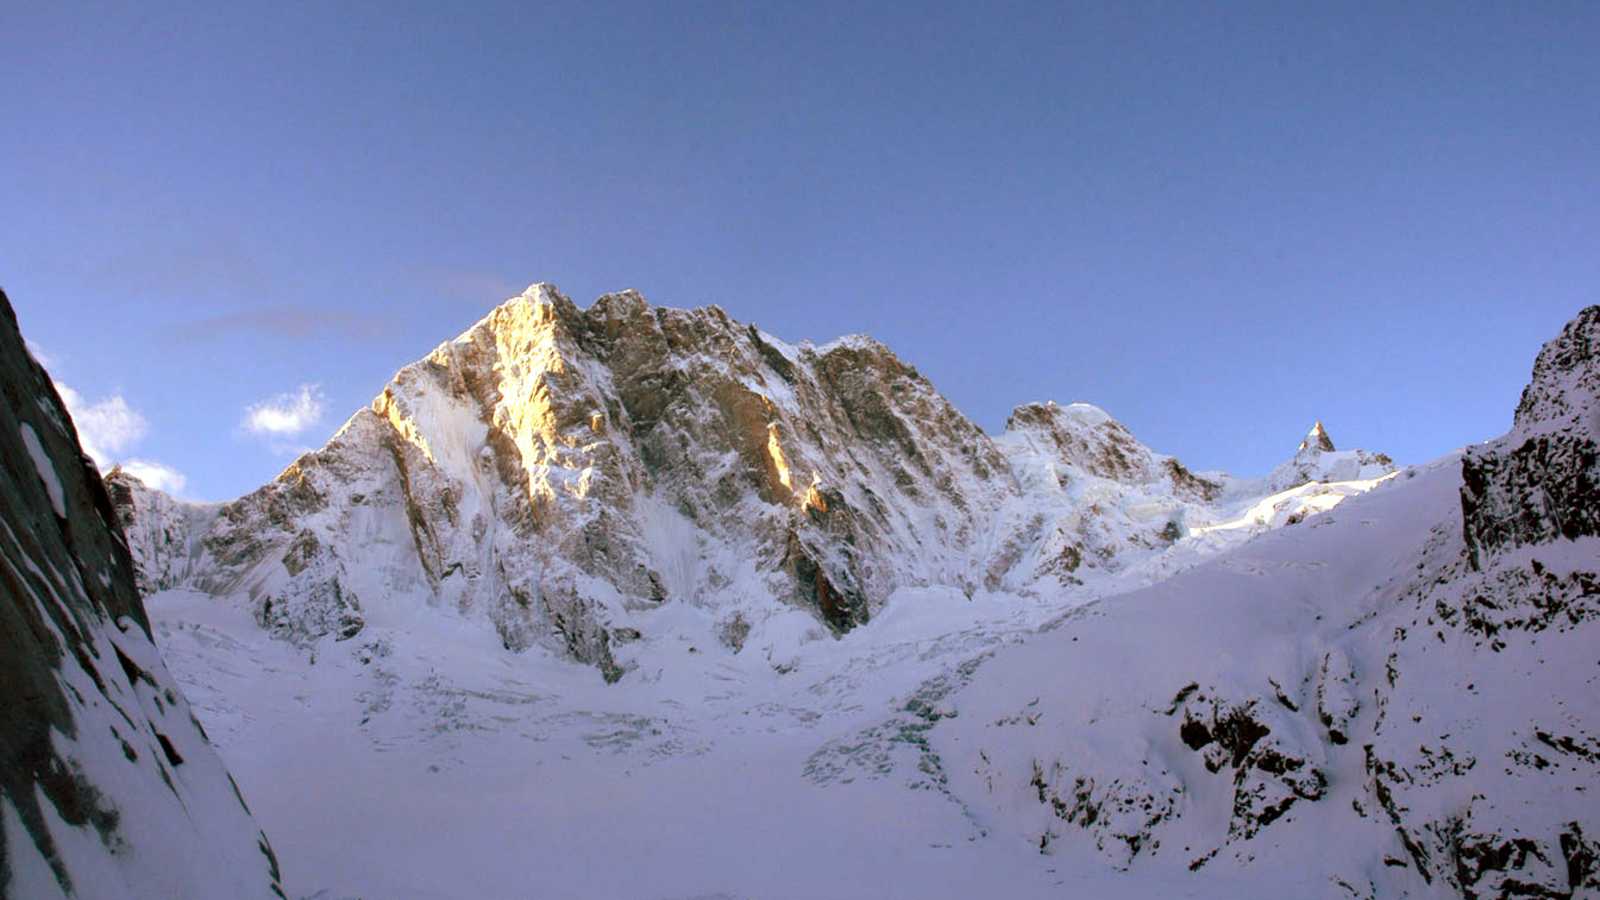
(1542, 481)
(1251, 741)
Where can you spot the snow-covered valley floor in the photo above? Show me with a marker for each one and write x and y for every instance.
(424, 761)
(427, 762)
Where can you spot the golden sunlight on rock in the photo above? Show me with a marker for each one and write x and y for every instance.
(775, 450)
(814, 499)
(387, 407)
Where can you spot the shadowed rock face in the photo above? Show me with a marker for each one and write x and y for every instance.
(93, 734)
(1542, 481)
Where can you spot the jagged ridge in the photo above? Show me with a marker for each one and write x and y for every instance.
(562, 472)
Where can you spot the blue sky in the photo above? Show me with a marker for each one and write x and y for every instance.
(1218, 221)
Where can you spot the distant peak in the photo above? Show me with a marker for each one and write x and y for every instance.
(1048, 410)
(1317, 439)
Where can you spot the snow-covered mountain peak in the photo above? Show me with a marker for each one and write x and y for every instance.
(565, 473)
(1316, 439)
(1084, 437)
(1317, 460)
(162, 531)
(803, 556)
(1396, 700)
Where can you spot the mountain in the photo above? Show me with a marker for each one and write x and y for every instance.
(109, 787)
(1134, 680)
(563, 474)
(1398, 698)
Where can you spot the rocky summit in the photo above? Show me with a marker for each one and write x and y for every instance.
(561, 474)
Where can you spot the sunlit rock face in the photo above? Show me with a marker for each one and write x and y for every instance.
(108, 786)
(558, 469)
(561, 473)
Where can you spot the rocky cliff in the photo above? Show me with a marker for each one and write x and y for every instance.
(1542, 480)
(108, 786)
(563, 472)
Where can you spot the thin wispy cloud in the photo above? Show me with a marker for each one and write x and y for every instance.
(296, 322)
(202, 260)
(479, 288)
(286, 415)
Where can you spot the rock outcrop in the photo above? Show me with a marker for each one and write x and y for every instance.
(1542, 480)
(108, 786)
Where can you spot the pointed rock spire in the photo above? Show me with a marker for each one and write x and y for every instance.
(1317, 439)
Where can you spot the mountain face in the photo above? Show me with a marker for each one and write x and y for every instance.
(162, 533)
(108, 786)
(563, 473)
(1398, 698)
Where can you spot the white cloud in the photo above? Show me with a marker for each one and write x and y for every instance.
(105, 427)
(286, 415)
(109, 426)
(155, 475)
